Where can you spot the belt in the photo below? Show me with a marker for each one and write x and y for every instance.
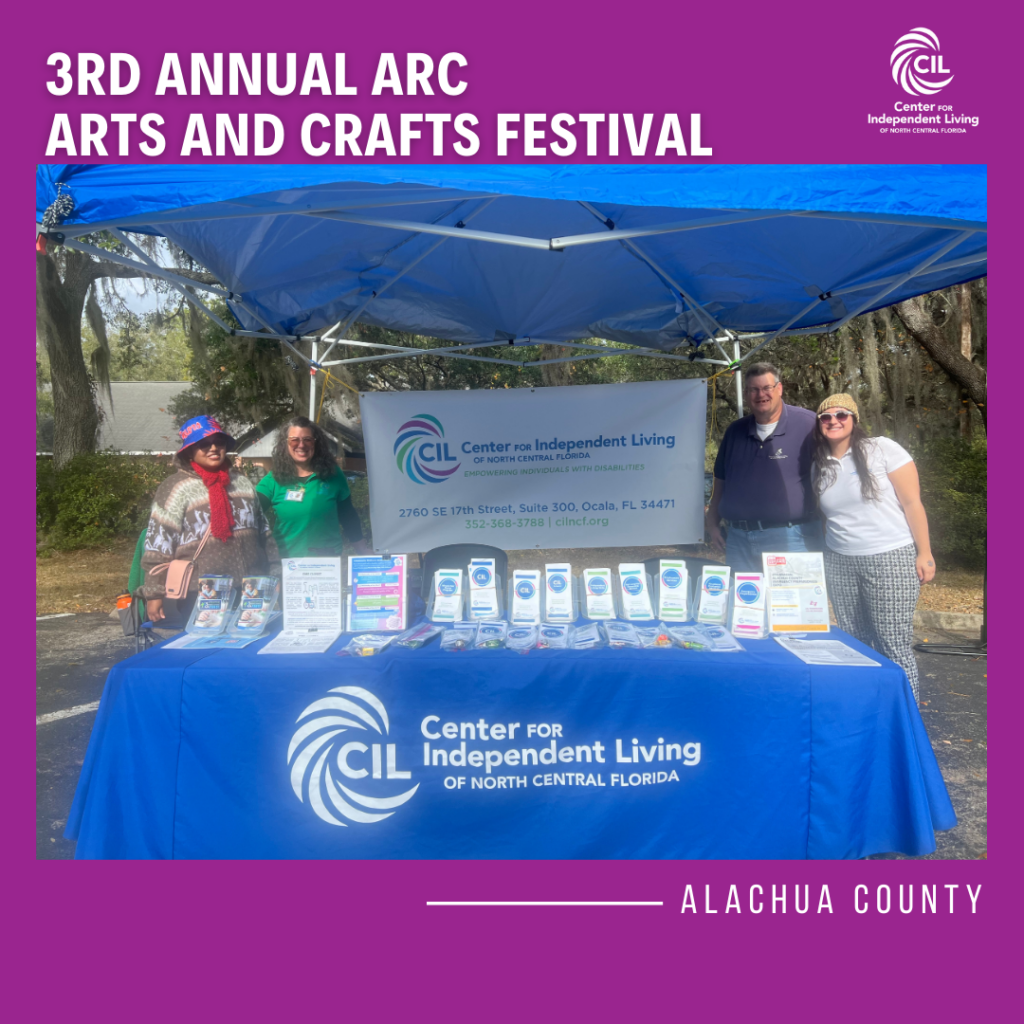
(747, 525)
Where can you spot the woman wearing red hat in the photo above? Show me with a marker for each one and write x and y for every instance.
(877, 551)
(207, 513)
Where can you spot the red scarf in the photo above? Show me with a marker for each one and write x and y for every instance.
(222, 519)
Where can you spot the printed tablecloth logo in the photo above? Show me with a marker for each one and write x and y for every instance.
(421, 452)
(916, 58)
(319, 759)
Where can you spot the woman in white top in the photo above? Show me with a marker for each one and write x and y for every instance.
(877, 552)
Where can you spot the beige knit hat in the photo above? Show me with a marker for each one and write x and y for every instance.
(840, 401)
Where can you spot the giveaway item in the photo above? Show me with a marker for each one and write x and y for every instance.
(447, 595)
(558, 596)
(257, 606)
(525, 597)
(713, 606)
(692, 637)
(722, 640)
(483, 590)
(633, 592)
(654, 636)
(673, 591)
(376, 592)
(522, 638)
(213, 605)
(749, 605)
(459, 636)
(620, 634)
(586, 637)
(418, 635)
(491, 635)
(179, 572)
(365, 644)
(797, 597)
(554, 636)
(600, 599)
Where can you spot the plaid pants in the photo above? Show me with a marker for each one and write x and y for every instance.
(874, 597)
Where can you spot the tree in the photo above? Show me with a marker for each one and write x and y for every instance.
(64, 280)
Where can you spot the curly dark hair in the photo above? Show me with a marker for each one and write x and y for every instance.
(323, 463)
(827, 474)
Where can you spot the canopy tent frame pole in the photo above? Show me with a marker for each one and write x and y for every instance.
(872, 300)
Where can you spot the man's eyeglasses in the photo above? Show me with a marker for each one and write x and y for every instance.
(764, 391)
(827, 417)
(301, 442)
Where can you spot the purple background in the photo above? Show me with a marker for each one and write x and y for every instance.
(158, 941)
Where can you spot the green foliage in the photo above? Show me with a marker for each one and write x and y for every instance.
(360, 490)
(953, 489)
(95, 498)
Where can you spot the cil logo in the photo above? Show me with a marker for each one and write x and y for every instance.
(915, 56)
(421, 451)
(326, 766)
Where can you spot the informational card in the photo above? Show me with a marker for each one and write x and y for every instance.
(634, 593)
(312, 605)
(750, 607)
(447, 595)
(558, 604)
(257, 606)
(797, 598)
(213, 605)
(525, 597)
(483, 589)
(673, 591)
(597, 588)
(826, 652)
(713, 606)
(300, 641)
(376, 593)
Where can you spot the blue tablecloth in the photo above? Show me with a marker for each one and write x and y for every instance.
(639, 754)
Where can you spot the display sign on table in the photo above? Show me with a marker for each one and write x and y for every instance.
(311, 600)
(798, 599)
(587, 466)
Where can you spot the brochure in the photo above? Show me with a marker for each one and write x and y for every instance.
(447, 595)
(713, 606)
(257, 606)
(525, 597)
(483, 589)
(798, 599)
(633, 591)
(312, 606)
(558, 596)
(600, 601)
(376, 593)
(673, 591)
(213, 605)
(826, 652)
(750, 605)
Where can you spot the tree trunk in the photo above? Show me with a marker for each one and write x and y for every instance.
(874, 403)
(964, 300)
(557, 374)
(59, 307)
(934, 338)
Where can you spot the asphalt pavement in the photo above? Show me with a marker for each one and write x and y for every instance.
(74, 654)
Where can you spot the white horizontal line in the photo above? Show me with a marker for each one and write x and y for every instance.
(56, 716)
(545, 903)
(59, 615)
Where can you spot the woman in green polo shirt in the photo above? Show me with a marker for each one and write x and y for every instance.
(306, 495)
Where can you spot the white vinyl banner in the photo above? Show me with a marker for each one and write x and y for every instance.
(587, 466)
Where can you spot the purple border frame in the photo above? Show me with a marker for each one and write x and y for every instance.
(154, 941)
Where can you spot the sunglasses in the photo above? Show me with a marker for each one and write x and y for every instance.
(840, 417)
(212, 442)
(301, 442)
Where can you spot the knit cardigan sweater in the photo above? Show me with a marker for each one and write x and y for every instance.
(179, 519)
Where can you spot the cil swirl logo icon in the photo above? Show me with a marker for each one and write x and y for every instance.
(421, 451)
(320, 758)
(915, 57)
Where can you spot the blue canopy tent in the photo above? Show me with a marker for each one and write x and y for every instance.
(705, 263)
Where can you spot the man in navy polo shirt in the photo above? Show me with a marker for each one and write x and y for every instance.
(763, 478)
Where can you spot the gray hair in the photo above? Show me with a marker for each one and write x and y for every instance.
(761, 369)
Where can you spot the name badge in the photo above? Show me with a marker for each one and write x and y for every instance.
(296, 495)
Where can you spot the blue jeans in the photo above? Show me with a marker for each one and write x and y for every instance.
(743, 548)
